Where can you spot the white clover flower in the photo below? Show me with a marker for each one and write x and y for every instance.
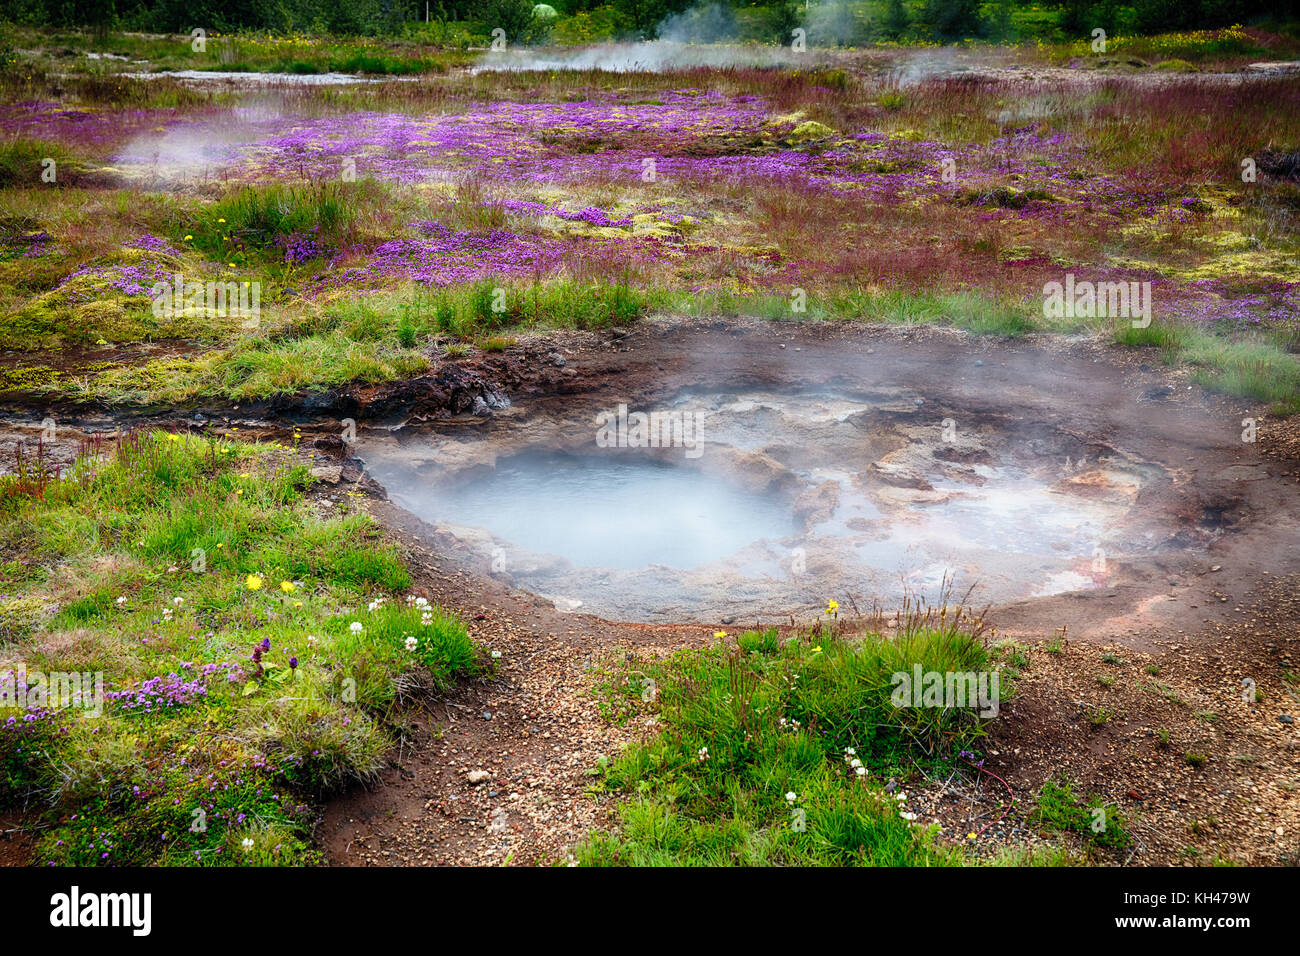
(121, 600)
(900, 796)
(909, 817)
(246, 843)
(791, 797)
(178, 601)
(421, 602)
(703, 754)
(496, 654)
(410, 643)
(860, 771)
(312, 640)
(855, 763)
(355, 627)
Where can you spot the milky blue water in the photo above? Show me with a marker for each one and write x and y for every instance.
(617, 510)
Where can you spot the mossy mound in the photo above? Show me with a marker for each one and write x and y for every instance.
(19, 617)
(810, 131)
(110, 300)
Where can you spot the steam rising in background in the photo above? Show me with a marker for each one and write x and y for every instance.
(704, 36)
(708, 35)
(194, 152)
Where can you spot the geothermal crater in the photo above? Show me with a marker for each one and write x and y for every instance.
(793, 492)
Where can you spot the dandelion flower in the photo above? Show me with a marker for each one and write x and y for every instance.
(253, 582)
(287, 587)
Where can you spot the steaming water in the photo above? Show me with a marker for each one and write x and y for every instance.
(619, 511)
(864, 508)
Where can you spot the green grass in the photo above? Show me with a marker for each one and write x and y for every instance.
(23, 160)
(370, 339)
(175, 555)
(1099, 823)
(258, 221)
(254, 368)
(1257, 369)
(741, 727)
(977, 314)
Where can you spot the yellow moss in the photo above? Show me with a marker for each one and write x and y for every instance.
(19, 616)
(1258, 264)
(809, 131)
(786, 119)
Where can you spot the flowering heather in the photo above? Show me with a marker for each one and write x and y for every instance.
(1273, 306)
(591, 215)
(132, 280)
(446, 257)
(151, 243)
(501, 138)
(76, 128)
(158, 694)
(301, 248)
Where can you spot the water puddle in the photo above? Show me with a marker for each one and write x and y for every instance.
(792, 499)
(620, 511)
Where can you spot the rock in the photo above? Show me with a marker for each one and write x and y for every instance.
(556, 359)
(1286, 719)
(478, 776)
(328, 473)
